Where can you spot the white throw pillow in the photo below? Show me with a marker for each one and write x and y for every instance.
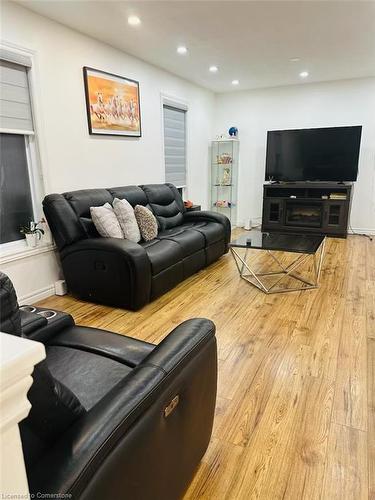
(106, 222)
(128, 223)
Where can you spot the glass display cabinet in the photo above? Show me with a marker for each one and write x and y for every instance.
(224, 176)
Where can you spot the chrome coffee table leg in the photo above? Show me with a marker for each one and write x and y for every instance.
(255, 278)
(237, 258)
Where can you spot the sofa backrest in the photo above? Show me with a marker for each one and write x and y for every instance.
(166, 204)
(69, 218)
(133, 194)
(10, 319)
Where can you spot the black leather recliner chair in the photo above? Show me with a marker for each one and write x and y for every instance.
(114, 417)
(119, 272)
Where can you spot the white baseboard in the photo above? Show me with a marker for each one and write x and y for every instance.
(37, 295)
(361, 230)
(243, 224)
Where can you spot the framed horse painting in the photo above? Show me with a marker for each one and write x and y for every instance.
(112, 103)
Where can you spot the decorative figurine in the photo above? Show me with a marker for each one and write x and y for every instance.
(223, 204)
(233, 132)
(188, 204)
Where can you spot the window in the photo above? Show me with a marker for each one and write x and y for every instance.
(17, 186)
(175, 145)
(16, 207)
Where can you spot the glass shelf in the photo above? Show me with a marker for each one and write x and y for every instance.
(224, 174)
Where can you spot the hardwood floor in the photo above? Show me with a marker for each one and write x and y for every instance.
(295, 416)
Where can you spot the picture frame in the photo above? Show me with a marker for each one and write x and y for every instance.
(112, 104)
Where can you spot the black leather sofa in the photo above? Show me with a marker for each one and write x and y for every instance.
(119, 272)
(113, 417)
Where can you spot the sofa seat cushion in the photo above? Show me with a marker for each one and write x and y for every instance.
(54, 406)
(162, 254)
(189, 240)
(89, 376)
(212, 231)
(175, 230)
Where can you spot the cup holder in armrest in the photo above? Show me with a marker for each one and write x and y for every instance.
(42, 324)
(47, 314)
(30, 309)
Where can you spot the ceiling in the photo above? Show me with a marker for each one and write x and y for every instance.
(252, 41)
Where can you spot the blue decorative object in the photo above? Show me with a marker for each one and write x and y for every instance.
(233, 131)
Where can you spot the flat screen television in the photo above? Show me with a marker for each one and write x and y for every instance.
(314, 154)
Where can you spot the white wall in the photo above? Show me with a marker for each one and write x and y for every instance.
(349, 102)
(71, 158)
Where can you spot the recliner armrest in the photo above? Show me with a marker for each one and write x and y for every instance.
(126, 443)
(181, 343)
(108, 270)
(104, 343)
(30, 322)
(121, 246)
(206, 215)
(37, 327)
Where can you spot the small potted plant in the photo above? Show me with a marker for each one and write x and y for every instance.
(32, 233)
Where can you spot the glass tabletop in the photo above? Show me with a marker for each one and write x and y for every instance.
(291, 242)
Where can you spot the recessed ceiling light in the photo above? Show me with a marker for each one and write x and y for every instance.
(304, 74)
(134, 20)
(235, 82)
(294, 59)
(182, 49)
(213, 69)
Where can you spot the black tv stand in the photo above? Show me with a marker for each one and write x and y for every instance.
(307, 207)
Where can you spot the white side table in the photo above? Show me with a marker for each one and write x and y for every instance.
(17, 359)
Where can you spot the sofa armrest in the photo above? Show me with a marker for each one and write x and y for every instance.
(110, 271)
(104, 343)
(122, 246)
(127, 442)
(36, 327)
(181, 343)
(206, 215)
(30, 322)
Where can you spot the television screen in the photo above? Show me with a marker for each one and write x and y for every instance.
(315, 154)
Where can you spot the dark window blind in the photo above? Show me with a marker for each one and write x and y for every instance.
(16, 207)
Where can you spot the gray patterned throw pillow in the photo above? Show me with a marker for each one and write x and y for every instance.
(125, 215)
(106, 222)
(146, 222)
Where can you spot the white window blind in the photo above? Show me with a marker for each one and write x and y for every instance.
(15, 105)
(175, 145)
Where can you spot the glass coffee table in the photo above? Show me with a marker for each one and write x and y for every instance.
(305, 247)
